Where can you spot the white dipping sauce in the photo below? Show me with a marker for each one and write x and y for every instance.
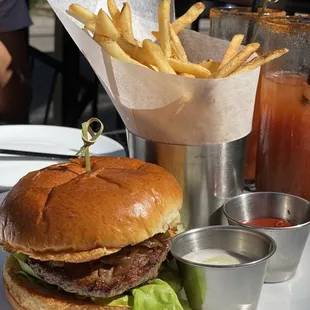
(214, 257)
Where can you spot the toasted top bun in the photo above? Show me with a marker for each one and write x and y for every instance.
(62, 213)
(24, 295)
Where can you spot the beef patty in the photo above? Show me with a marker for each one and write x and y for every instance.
(110, 275)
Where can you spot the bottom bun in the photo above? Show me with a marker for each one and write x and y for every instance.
(24, 295)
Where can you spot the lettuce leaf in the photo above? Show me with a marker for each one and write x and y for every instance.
(156, 295)
(27, 272)
(170, 274)
(22, 260)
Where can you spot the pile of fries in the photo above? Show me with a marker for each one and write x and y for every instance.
(114, 33)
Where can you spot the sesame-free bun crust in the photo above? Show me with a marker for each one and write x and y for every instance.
(23, 295)
(63, 213)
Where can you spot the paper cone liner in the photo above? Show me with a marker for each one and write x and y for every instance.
(163, 107)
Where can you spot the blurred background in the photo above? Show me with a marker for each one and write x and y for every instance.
(65, 90)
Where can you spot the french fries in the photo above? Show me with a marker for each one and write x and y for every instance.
(144, 56)
(232, 49)
(189, 17)
(90, 26)
(261, 60)
(157, 54)
(106, 27)
(81, 14)
(189, 68)
(126, 23)
(211, 65)
(237, 61)
(114, 13)
(138, 53)
(115, 35)
(176, 45)
(187, 75)
(134, 51)
(164, 27)
(114, 50)
(185, 20)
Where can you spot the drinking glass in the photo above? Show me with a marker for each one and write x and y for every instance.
(283, 157)
(225, 23)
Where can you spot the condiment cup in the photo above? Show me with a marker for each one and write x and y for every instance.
(290, 240)
(214, 287)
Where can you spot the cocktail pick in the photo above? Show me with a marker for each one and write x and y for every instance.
(86, 129)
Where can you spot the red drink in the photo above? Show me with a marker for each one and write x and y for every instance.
(284, 147)
(251, 151)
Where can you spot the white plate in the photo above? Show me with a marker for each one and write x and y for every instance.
(42, 138)
(290, 295)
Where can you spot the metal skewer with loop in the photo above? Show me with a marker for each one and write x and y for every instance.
(86, 129)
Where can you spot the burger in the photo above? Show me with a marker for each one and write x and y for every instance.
(90, 240)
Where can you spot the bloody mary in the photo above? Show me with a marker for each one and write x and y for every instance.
(284, 146)
(252, 142)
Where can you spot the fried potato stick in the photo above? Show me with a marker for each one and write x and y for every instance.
(189, 68)
(114, 13)
(185, 20)
(189, 17)
(158, 56)
(91, 26)
(187, 75)
(114, 50)
(164, 27)
(106, 27)
(136, 52)
(144, 56)
(81, 13)
(177, 47)
(237, 61)
(261, 60)
(211, 65)
(232, 49)
(126, 23)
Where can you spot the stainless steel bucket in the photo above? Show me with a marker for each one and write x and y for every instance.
(209, 174)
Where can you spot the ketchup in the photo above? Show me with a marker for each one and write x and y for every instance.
(268, 222)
